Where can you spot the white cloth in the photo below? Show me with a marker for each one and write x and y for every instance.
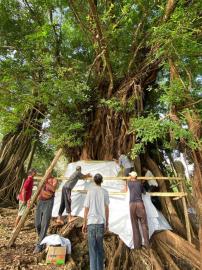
(96, 200)
(55, 239)
(151, 182)
(125, 162)
(119, 217)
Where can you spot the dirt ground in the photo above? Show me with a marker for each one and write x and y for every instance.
(20, 256)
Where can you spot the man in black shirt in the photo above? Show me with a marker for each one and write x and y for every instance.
(137, 211)
(66, 193)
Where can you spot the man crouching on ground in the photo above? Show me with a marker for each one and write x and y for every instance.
(96, 216)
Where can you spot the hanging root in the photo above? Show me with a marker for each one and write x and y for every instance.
(14, 151)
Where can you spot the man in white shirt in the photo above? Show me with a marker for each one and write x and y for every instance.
(96, 216)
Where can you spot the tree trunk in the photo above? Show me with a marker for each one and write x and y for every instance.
(168, 208)
(195, 127)
(107, 135)
(168, 251)
(14, 151)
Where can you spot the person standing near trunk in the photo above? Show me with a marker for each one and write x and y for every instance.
(125, 162)
(96, 217)
(25, 195)
(152, 186)
(137, 211)
(44, 209)
(66, 194)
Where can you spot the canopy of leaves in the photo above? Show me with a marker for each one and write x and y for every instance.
(70, 57)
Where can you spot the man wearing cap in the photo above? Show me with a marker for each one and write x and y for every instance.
(66, 194)
(96, 216)
(137, 211)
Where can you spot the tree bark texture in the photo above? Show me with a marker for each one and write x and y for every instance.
(14, 151)
(168, 251)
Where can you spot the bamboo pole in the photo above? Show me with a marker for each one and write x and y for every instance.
(160, 194)
(34, 198)
(168, 194)
(186, 216)
(110, 178)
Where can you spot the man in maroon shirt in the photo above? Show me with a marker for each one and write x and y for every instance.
(25, 195)
(44, 210)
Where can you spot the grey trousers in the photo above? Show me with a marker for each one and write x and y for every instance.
(65, 201)
(43, 217)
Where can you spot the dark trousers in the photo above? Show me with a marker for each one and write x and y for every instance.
(43, 217)
(65, 201)
(138, 213)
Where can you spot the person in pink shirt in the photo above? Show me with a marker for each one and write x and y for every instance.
(25, 195)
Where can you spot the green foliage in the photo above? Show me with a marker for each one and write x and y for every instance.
(152, 130)
(32, 73)
(137, 149)
(113, 103)
(49, 57)
(43, 156)
(148, 129)
(173, 94)
(118, 106)
(177, 36)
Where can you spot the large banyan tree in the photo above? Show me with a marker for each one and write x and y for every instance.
(99, 77)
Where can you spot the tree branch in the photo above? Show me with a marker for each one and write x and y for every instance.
(102, 44)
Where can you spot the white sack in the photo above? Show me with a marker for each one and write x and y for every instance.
(55, 239)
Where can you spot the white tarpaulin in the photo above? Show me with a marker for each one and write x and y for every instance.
(119, 218)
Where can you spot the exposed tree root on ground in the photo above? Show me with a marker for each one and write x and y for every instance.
(168, 250)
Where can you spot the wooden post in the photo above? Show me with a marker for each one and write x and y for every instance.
(34, 198)
(186, 216)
